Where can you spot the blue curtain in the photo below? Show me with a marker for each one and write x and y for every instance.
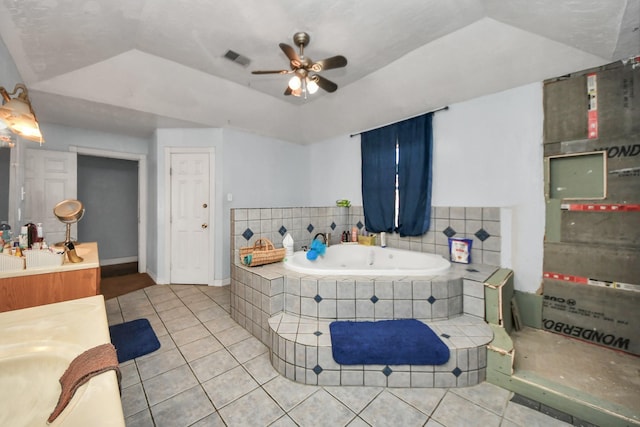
(415, 140)
(378, 151)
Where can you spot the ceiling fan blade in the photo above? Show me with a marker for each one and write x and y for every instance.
(270, 72)
(325, 84)
(338, 61)
(291, 54)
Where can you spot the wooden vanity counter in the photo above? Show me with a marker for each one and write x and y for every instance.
(37, 286)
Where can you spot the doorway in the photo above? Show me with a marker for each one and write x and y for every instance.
(108, 188)
(114, 178)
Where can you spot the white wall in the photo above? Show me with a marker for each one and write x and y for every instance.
(256, 171)
(487, 152)
(261, 172)
(335, 171)
(60, 138)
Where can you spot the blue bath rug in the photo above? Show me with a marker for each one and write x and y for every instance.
(133, 339)
(386, 342)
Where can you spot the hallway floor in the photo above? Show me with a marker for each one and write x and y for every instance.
(210, 371)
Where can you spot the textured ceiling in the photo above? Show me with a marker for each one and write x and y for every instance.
(134, 66)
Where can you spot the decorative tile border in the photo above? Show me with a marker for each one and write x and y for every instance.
(480, 224)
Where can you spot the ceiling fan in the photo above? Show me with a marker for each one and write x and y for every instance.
(305, 78)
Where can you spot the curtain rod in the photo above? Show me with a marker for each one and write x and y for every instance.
(446, 107)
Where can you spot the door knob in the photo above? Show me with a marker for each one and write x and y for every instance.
(204, 205)
(205, 225)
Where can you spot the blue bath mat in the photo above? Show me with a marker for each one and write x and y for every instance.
(133, 339)
(386, 342)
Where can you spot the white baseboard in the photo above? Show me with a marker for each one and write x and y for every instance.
(221, 282)
(154, 277)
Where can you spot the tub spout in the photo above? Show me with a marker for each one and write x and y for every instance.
(324, 238)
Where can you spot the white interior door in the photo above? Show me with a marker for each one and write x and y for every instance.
(190, 215)
(50, 177)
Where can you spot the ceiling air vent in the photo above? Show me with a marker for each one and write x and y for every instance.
(237, 58)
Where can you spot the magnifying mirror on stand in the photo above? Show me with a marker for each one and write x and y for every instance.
(69, 212)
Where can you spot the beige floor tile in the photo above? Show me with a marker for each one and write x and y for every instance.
(207, 360)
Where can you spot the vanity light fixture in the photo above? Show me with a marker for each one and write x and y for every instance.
(18, 114)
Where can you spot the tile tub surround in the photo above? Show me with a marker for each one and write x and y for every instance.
(290, 313)
(481, 224)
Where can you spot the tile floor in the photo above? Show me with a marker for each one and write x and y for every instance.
(210, 371)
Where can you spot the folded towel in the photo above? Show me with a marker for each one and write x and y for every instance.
(85, 366)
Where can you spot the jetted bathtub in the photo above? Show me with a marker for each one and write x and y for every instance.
(361, 260)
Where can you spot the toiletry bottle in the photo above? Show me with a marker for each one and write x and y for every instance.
(5, 228)
(383, 239)
(32, 234)
(23, 238)
(354, 234)
(40, 232)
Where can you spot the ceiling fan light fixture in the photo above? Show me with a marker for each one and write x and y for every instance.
(295, 83)
(302, 84)
(312, 86)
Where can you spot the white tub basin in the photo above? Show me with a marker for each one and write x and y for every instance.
(361, 260)
(36, 346)
(33, 366)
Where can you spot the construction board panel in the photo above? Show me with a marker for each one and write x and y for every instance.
(530, 308)
(578, 176)
(565, 109)
(613, 228)
(598, 315)
(498, 292)
(605, 95)
(602, 262)
(623, 164)
(618, 103)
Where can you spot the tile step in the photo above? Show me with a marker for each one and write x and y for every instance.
(301, 351)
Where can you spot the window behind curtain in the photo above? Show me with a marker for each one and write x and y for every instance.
(396, 176)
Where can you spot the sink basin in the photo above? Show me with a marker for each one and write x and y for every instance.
(36, 346)
(29, 367)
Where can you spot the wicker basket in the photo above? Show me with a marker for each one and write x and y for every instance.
(11, 263)
(367, 240)
(43, 258)
(262, 252)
